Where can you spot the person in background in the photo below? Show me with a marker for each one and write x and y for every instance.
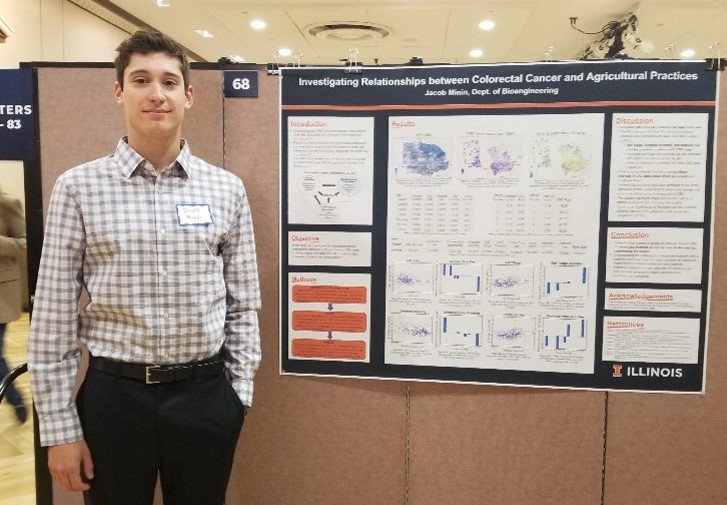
(162, 242)
(12, 250)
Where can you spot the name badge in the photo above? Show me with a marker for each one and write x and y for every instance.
(190, 214)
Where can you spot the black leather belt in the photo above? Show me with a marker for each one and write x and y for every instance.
(158, 374)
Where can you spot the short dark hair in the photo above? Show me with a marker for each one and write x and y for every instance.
(147, 42)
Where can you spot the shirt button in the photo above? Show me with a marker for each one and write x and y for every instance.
(162, 231)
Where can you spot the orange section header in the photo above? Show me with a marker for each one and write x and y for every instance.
(329, 294)
(311, 320)
(329, 349)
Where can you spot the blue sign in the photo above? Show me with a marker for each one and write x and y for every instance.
(17, 115)
(240, 83)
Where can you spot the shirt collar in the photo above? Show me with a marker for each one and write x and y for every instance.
(129, 160)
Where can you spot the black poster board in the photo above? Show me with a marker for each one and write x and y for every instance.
(540, 224)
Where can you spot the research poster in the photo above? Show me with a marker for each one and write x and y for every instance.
(544, 225)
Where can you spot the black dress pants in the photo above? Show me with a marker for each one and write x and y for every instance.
(184, 432)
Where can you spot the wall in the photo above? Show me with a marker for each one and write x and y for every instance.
(50, 30)
(55, 30)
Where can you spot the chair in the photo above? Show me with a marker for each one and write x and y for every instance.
(10, 377)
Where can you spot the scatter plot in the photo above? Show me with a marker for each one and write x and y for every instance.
(472, 154)
(559, 155)
(511, 280)
(501, 160)
(480, 158)
(406, 279)
(461, 330)
(513, 332)
(411, 328)
(424, 158)
(506, 282)
(572, 158)
(413, 277)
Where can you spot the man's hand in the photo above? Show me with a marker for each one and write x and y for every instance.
(70, 464)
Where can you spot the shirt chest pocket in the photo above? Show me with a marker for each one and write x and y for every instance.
(199, 240)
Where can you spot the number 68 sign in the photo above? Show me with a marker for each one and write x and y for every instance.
(241, 83)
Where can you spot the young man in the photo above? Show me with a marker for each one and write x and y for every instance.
(163, 244)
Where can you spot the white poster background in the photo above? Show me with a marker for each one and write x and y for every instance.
(661, 255)
(329, 248)
(492, 236)
(651, 339)
(330, 170)
(657, 167)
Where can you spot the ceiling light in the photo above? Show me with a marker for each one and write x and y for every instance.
(358, 32)
(687, 53)
(204, 33)
(163, 3)
(284, 51)
(236, 58)
(476, 53)
(258, 24)
(487, 24)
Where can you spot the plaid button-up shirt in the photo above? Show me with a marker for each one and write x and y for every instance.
(168, 261)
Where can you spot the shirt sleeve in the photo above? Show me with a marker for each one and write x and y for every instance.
(242, 334)
(53, 348)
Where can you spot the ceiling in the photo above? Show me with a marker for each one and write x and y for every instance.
(321, 32)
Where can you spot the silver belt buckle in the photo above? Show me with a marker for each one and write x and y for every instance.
(149, 369)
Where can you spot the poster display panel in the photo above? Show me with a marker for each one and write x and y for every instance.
(542, 224)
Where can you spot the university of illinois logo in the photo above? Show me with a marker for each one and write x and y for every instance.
(617, 370)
